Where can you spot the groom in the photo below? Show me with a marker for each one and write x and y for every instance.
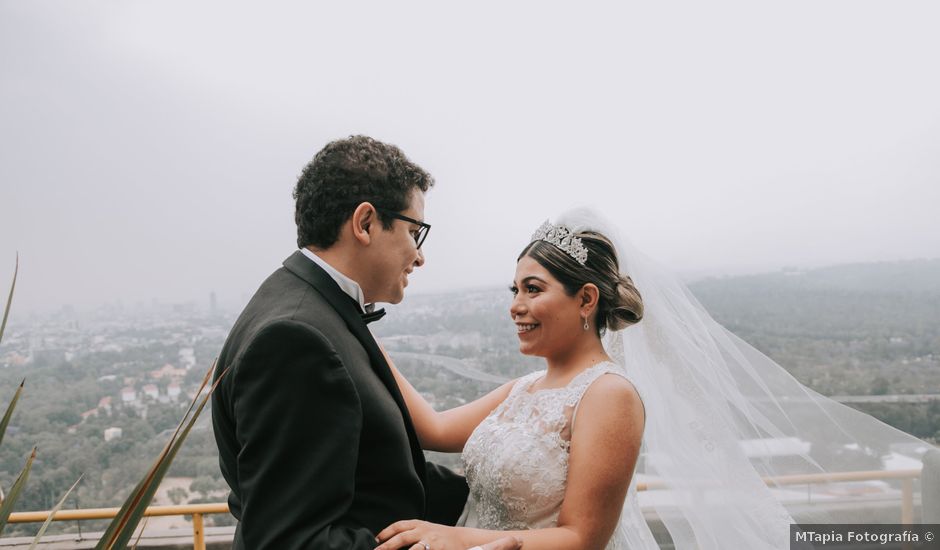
(314, 438)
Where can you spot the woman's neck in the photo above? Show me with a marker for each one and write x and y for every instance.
(584, 354)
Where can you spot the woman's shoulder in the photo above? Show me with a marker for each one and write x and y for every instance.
(615, 393)
(614, 385)
(607, 375)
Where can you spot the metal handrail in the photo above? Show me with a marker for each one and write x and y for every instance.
(195, 510)
(108, 513)
(907, 478)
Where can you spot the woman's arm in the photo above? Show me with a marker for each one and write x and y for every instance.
(605, 444)
(446, 431)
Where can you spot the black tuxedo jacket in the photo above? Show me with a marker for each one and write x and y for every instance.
(314, 438)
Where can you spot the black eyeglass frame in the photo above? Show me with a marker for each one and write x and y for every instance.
(424, 228)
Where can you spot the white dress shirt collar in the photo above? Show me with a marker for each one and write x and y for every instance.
(347, 285)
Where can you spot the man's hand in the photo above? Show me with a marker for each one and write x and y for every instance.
(505, 543)
(422, 535)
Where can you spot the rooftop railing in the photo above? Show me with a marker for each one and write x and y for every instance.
(198, 511)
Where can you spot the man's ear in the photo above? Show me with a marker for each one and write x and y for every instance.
(589, 297)
(363, 218)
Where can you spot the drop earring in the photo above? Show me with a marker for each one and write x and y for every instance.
(586, 327)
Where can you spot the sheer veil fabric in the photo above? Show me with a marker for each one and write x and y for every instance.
(721, 416)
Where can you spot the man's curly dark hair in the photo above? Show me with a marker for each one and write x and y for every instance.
(346, 173)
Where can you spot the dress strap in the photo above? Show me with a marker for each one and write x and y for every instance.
(522, 384)
(590, 376)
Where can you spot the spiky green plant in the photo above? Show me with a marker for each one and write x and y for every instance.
(16, 396)
(6, 416)
(6, 503)
(6, 508)
(6, 309)
(124, 524)
(52, 513)
(3, 430)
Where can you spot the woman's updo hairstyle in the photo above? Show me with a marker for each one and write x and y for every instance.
(619, 303)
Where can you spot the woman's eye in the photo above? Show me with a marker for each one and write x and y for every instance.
(514, 290)
(532, 288)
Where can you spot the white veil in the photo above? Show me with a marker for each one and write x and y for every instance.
(718, 412)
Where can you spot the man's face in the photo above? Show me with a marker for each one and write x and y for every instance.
(394, 255)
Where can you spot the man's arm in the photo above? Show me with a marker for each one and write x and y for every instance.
(298, 420)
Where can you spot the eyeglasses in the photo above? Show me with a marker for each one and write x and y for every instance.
(419, 234)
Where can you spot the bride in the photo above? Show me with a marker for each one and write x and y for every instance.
(550, 457)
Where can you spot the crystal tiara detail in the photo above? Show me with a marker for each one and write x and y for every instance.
(561, 237)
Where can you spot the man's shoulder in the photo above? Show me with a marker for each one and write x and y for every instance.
(284, 293)
(283, 299)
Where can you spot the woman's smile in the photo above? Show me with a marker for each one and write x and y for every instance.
(523, 328)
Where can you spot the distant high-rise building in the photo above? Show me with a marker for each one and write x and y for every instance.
(213, 304)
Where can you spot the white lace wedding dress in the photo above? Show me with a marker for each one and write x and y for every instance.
(516, 462)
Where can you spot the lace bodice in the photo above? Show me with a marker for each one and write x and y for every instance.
(516, 460)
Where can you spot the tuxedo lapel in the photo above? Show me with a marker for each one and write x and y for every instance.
(348, 309)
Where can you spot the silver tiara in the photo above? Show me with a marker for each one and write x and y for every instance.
(561, 237)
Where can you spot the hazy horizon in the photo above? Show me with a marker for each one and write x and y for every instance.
(231, 304)
(148, 151)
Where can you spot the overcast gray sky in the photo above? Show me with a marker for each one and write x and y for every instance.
(149, 149)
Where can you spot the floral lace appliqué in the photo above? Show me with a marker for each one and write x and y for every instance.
(516, 461)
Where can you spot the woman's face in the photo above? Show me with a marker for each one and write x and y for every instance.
(547, 318)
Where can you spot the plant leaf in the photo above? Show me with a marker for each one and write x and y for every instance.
(6, 310)
(116, 523)
(9, 413)
(141, 533)
(122, 527)
(7, 507)
(48, 522)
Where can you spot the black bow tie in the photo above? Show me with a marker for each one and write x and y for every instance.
(373, 315)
